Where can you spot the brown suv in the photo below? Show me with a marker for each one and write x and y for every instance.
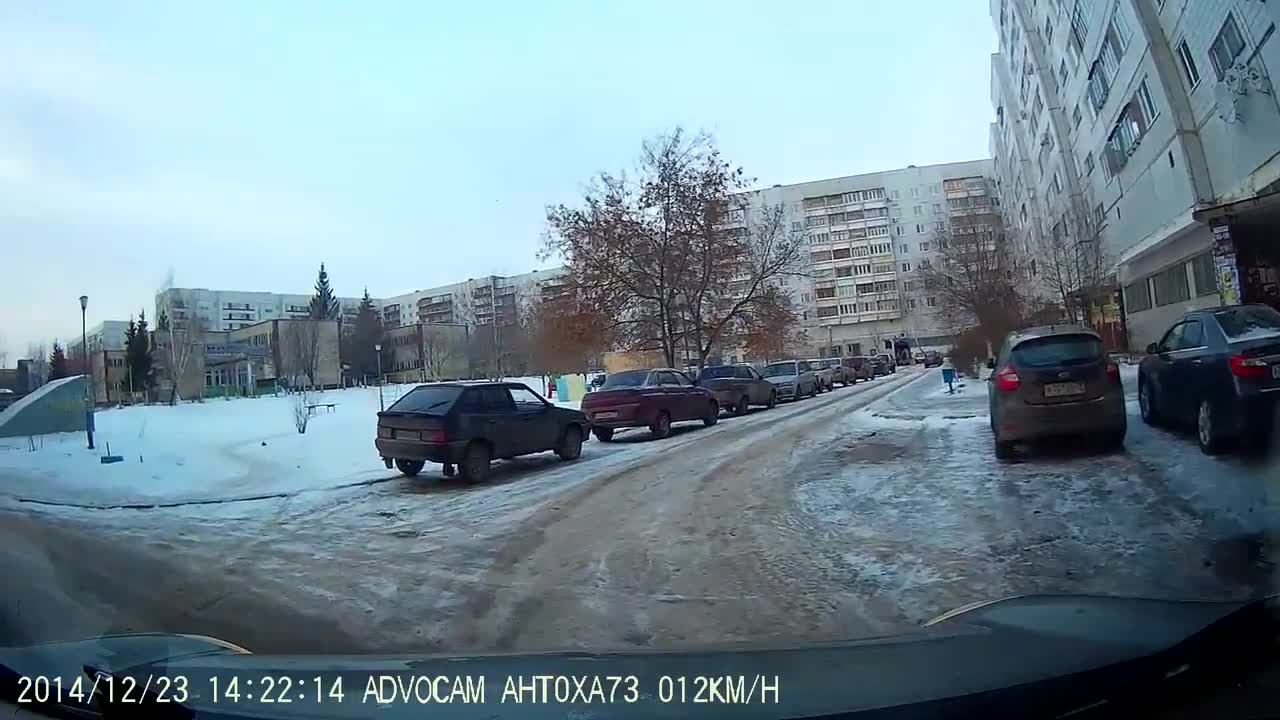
(1054, 381)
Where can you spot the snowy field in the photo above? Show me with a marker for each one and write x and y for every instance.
(212, 451)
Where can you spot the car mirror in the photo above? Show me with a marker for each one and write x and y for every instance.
(1152, 349)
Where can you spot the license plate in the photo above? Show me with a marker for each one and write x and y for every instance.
(1063, 389)
(404, 434)
(606, 415)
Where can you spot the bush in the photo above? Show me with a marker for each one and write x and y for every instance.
(301, 415)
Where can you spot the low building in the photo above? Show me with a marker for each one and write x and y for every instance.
(426, 351)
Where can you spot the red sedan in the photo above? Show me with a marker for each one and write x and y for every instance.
(648, 398)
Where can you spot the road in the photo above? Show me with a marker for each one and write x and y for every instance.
(860, 512)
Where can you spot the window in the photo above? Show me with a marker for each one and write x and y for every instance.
(917, 210)
(796, 226)
(900, 230)
(919, 228)
(937, 208)
(1088, 163)
(895, 194)
(1099, 213)
(826, 312)
(908, 285)
(1148, 107)
(1204, 274)
(935, 188)
(1226, 47)
(931, 302)
(844, 291)
(806, 297)
(906, 267)
(924, 264)
(866, 306)
(862, 269)
(1188, 61)
(903, 249)
(883, 268)
(1132, 124)
(911, 304)
(864, 288)
(915, 192)
(1048, 32)
(825, 293)
(924, 247)
(1062, 74)
(819, 238)
(877, 231)
(840, 253)
(525, 399)
(848, 309)
(840, 235)
(1056, 184)
(1171, 285)
(1075, 116)
(861, 251)
(816, 221)
(820, 256)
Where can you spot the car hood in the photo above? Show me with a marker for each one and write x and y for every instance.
(960, 657)
(782, 379)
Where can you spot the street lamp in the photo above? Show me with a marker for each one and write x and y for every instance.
(84, 356)
(377, 348)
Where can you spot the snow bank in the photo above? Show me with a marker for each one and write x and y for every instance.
(204, 451)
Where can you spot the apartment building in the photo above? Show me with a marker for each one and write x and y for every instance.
(868, 237)
(477, 301)
(1156, 120)
(234, 309)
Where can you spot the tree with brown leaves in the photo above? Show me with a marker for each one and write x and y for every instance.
(678, 258)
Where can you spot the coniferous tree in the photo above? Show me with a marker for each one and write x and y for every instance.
(324, 306)
(58, 367)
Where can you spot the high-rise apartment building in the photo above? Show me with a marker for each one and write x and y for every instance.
(868, 238)
(1156, 122)
(478, 301)
(235, 309)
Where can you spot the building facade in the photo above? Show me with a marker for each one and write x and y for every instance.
(1156, 121)
(868, 237)
(234, 309)
(477, 301)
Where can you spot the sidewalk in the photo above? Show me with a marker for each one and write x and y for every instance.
(927, 398)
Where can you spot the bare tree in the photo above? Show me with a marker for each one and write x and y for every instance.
(38, 352)
(302, 351)
(773, 328)
(183, 345)
(677, 258)
(1072, 261)
(441, 350)
(971, 277)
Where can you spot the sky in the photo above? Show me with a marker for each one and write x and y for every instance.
(237, 145)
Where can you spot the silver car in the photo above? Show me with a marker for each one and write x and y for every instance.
(793, 379)
(826, 374)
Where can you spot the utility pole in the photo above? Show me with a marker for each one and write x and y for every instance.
(88, 375)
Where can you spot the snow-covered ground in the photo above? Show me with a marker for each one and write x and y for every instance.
(218, 450)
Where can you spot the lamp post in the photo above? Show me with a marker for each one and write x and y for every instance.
(84, 355)
(377, 347)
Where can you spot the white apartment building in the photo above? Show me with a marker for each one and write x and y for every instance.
(1159, 118)
(868, 236)
(477, 301)
(235, 309)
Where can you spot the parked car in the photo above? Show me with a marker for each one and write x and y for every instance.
(737, 387)
(1054, 381)
(890, 363)
(858, 368)
(825, 375)
(471, 424)
(1217, 370)
(917, 357)
(653, 398)
(838, 374)
(793, 379)
(879, 365)
(932, 358)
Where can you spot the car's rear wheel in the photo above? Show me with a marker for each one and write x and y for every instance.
(713, 413)
(744, 404)
(661, 426)
(603, 434)
(409, 467)
(1113, 441)
(475, 462)
(1004, 449)
(773, 400)
(1211, 442)
(1147, 403)
(570, 443)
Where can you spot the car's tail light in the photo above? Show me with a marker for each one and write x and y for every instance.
(433, 437)
(1007, 379)
(1249, 368)
(386, 432)
(1113, 372)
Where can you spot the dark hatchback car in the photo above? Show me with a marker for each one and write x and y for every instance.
(648, 398)
(1054, 381)
(1217, 370)
(471, 424)
(737, 387)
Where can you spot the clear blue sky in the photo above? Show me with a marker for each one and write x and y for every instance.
(409, 144)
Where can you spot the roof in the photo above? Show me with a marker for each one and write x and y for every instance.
(1039, 331)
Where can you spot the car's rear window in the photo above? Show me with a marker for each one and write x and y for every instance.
(780, 369)
(721, 371)
(1058, 350)
(626, 379)
(1242, 323)
(435, 399)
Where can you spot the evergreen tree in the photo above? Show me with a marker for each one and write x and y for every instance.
(367, 333)
(58, 367)
(324, 306)
(137, 351)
